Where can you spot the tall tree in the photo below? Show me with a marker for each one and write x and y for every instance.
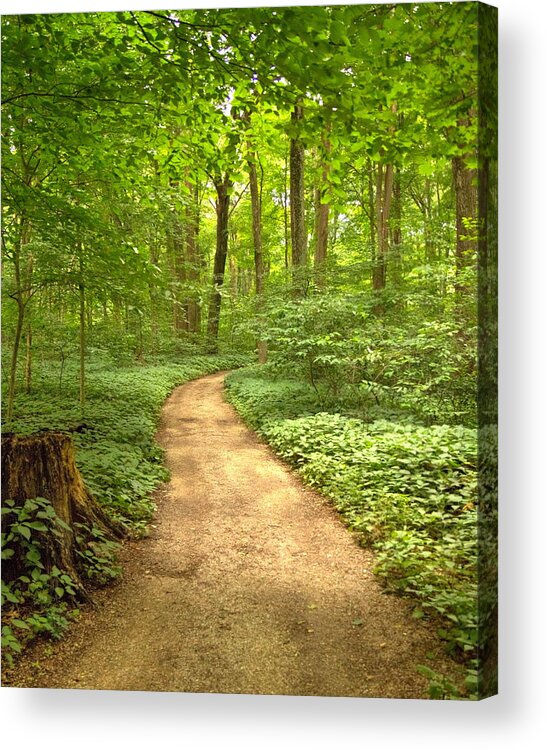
(321, 228)
(193, 311)
(299, 244)
(223, 187)
(256, 211)
(384, 196)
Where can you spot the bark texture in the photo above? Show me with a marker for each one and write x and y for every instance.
(222, 186)
(321, 230)
(256, 208)
(384, 199)
(396, 231)
(464, 180)
(384, 195)
(298, 206)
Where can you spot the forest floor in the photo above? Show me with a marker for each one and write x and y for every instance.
(248, 583)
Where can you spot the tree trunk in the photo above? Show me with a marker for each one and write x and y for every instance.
(384, 197)
(286, 211)
(384, 194)
(377, 265)
(28, 359)
(321, 232)
(371, 214)
(154, 301)
(192, 257)
(321, 238)
(464, 180)
(89, 311)
(222, 210)
(180, 321)
(396, 231)
(81, 290)
(298, 207)
(43, 466)
(256, 211)
(28, 352)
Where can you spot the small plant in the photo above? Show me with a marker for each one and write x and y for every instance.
(10, 643)
(36, 600)
(97, 555)
(440, 686)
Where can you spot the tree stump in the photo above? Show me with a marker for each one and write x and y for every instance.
(43, 466)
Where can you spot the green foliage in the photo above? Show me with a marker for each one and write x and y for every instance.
(259, 398)
(442, 688)
(97, 555)
(416, 369)
(38, 600)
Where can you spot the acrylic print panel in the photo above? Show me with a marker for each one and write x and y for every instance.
(250, 325)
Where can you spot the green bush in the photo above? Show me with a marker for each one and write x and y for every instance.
(421, 369)
(38, 600)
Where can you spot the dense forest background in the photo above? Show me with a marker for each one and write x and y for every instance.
(149, 166)
(185, 191)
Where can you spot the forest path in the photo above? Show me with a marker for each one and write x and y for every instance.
(249, 583)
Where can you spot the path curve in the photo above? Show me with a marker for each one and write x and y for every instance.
(249, 583)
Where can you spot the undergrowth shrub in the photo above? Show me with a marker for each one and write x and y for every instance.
(419, 368)
(39, 600)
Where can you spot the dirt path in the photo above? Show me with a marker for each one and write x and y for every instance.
(249, 583)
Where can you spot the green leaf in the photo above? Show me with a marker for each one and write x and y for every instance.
(24, 530)
(37, 525)
(20, 624)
